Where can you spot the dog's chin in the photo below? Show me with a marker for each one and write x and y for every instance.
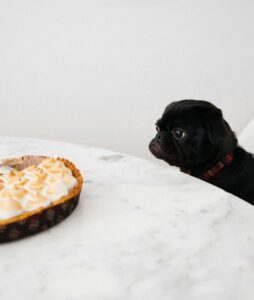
(160, 153)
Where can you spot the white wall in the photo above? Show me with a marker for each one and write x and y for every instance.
(101, 72)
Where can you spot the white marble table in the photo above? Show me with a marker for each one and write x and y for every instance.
(141, 231)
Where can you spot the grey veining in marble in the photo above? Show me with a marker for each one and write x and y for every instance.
(141, 231)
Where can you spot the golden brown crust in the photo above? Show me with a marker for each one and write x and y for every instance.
(74, 192)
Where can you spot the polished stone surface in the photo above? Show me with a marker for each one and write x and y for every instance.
(141, 231)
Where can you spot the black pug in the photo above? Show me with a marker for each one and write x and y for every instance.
(192, 135)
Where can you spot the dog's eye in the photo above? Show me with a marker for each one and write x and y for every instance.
(178, 133)
(157, 128)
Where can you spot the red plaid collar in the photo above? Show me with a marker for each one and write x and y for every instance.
(225, 161)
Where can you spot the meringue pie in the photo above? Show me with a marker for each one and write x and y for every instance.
(35, 187)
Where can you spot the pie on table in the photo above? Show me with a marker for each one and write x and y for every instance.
(36, 193)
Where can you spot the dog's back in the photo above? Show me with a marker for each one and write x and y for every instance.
(238, 178)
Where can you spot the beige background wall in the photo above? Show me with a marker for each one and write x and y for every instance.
(101, 72)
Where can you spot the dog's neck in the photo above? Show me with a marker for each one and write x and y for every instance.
(210, 169)
(227, 160)
(218, 162)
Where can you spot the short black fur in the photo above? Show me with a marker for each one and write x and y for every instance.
(193, 135)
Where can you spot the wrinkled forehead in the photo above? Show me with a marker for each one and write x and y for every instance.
(179, 116)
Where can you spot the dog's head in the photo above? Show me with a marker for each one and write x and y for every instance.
(191, 133)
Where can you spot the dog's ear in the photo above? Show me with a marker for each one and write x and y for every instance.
(217, 127)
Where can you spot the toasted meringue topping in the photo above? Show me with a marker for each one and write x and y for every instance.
(33, 187)
(5, 169)
(9, 208)
(30, 169)
(55, 190)
(22, 183)
(18, 193)
(34, 201)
